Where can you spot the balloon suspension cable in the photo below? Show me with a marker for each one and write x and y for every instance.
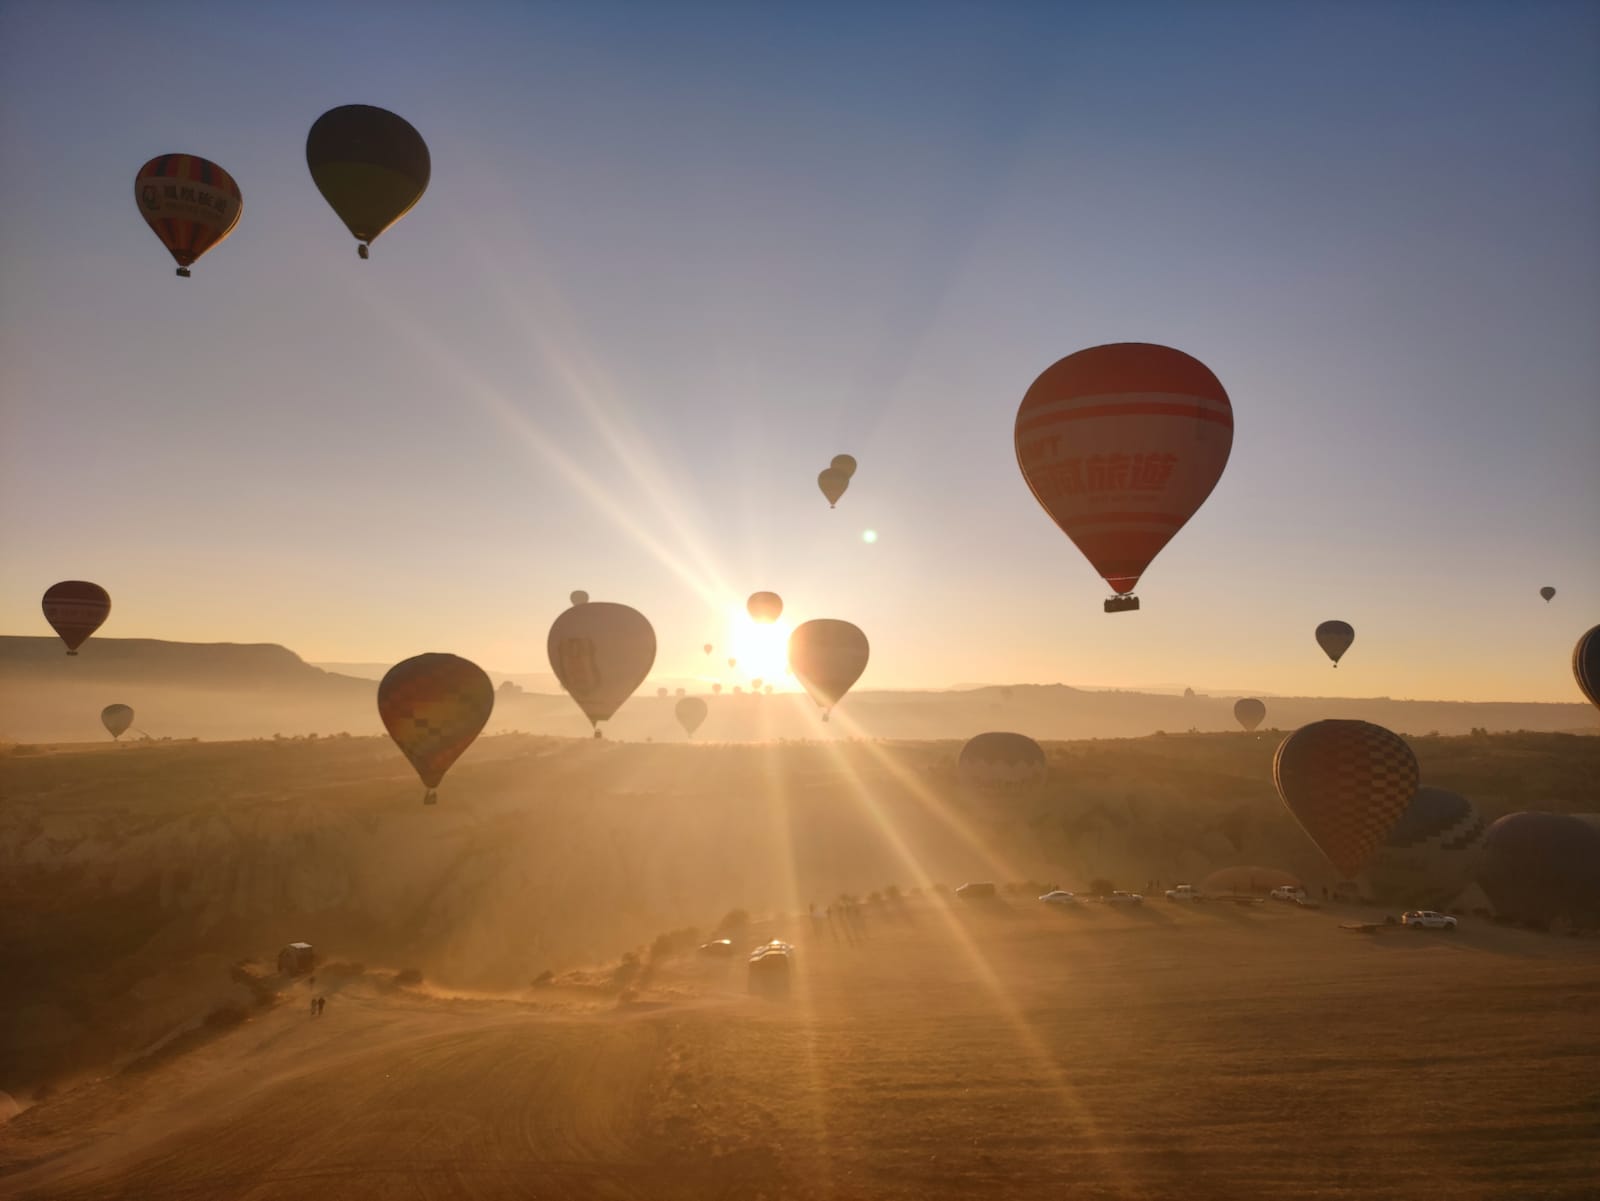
(183, 273)
(362, 250)
(72, 652)
(431, 797)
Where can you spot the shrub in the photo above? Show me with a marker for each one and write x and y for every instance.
(226, 1017)
(875, 897)
(626, 971)
(674, 942)
(941, 889)
(544, 979)
(733, 920)
(1101, 887)
(892, 891)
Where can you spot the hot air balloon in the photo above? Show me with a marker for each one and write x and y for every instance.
(767, 691)
(1335, 637)
(1543, 867)
(1548, 593)
(75, 609)
(733, 663)
(116, 719)
(1586, 665)
(738, 690)
(1121, 444)
(691, 711)
(716, 690)
(833, 483)
(190, 203)
(681, 692)
(601, 652)
(1347, 783)
(827, 657)
(370, 166)
(708, 648)
(1248, 712)
(433, 706)
(765, 607)
(1431, 854)
(845, 465)
(580, 597)
(661, 692)
(755, 684)
(1002, 763)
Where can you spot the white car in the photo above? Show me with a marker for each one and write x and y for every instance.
(1060, 896)
(1428, 919)
(1184, 892)
(1123, 898)
(1288, 892)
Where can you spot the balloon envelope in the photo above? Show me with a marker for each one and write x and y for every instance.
(1335, 637)
(833, 483)
(845, 465)
(1248, 712)
(1543, 867)
(1347, 783)
(433, 706)
(601, 652)
(708, 648)
(1548, 593)
(580, 597)
(764, 607)
(827, 657)
(190, 203)
(1002, 762)
(1120, 445)
(1431, 854)
(370, 166)
(116, 719)
(1586, 665)
(75, 609)
(691, 711)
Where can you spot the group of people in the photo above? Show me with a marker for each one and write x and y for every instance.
(318, 1004)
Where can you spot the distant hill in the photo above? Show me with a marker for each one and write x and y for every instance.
(229, 690)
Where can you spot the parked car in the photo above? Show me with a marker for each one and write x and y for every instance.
(1428, 919)
(769, 968)
(720, 948)
(1185, 892)
(1060, 896)
(976, 892)
(1288, 892)
(1123, 898)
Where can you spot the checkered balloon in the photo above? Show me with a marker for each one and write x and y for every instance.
(1347, 783)
(433, 706)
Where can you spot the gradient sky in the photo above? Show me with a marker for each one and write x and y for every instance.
(674, 257)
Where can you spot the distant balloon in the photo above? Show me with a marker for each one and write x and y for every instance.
(1548, 593)
(75, 609)
(755, 684)
(1120, 445)
(1335, 637)
(1586, 665)
(116, 719)
(716, 690)
(580, 597)
(827, 657)
(1002, 762)
(737, 690)
(733, 663)
(833, 484)
(601, 652)
(1248, 712)
(767, 691)
(191, 204)
(681, 692)
(708, 648)
(1347, 783)
(1543, 867)
(661, 692)
(691, 711)
(845, 465)
(434, 706)
(1431, 854)
(765, 607)
(370, 166)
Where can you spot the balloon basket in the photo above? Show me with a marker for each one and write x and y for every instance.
(430, 797)
(597, 733)
(362, 250)
(72, 652)
(1122, 604)
(183, 273)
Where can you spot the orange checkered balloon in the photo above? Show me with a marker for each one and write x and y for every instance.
(1347, 783)
(433, 706)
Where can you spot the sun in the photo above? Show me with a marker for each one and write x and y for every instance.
(762, 651)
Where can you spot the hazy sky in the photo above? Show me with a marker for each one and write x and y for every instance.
(675, 257)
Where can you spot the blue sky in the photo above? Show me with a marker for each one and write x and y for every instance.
(675, 257)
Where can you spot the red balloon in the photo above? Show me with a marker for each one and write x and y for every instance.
(1121, 444)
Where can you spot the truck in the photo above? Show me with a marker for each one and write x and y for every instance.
(1185, 892)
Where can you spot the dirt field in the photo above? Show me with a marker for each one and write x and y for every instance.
(946, 1050)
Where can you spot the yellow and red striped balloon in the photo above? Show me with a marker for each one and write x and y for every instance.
(190, 203)
(434, 706)
(1121, 444)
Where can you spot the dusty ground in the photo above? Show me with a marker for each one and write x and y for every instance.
(947, 1051)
